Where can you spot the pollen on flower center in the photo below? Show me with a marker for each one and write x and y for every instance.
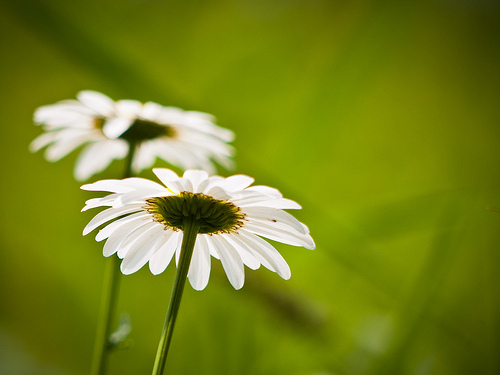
(212, 215)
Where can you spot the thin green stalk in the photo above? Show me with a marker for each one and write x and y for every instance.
(102, 345)
(130, 158)
(108, 303)
(189, 238)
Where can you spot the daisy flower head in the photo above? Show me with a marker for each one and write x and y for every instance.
(147, 222)
(110, 130)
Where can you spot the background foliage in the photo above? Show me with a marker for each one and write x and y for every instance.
(381, 118)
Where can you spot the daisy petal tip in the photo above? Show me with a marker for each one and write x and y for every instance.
(160, 170)
(126, 270)
(154, 271)
(286, 276)
(238, 286)
(87, 92)
(107, 254)
(311, 246)
(284, 271)
(156, 268)
(238, 283)
(198, 288)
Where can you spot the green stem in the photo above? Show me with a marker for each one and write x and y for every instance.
(130, 158)
(102, 345)
(189, 238)
(108, 302)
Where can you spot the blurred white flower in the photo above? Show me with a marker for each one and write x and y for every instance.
(107, 129)
(229, 213)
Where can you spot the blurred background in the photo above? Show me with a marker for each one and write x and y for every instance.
(380, 117)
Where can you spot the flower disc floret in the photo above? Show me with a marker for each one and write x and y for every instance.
(211, 215)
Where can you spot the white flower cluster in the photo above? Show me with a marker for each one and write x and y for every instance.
(146, 220)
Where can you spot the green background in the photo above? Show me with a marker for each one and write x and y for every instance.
(380, 118)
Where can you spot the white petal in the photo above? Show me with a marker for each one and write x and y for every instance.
(122, 186)
(196, 177)
(211, 248)
(138, 196)
(144, 157)
(231, 261)
(111, 185)
(246, 254)
(273, 215)
(172, 153)
(128, 108)
(266, 201)
(161, 259)
(109, 214)
(185, 184)
(274, 261)
(166, 176)
(141, 250)
(208, 183)
(63, 147)
(218, 193)
(180, 154)
(96, 101)
(280, 234)
(206, 143)
(199, 269)
(62, 113)
(142, 183)
(99, 202)
(42, 140)
(151, 111)
(225, 161)
(130, 239)
(279, 226)
(203, 122)
(266, 190)
(110, 228)
(116, 126)
(237, 182)
(112, 244)
(96, 157)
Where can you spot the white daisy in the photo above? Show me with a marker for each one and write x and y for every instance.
(108, 129)
(230, 216)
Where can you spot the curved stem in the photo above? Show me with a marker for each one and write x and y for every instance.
(102, 345)
(189, 238)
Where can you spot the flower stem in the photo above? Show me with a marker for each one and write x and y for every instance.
(108, 302)
(102, 345)
(130, 158)
(189, 238)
